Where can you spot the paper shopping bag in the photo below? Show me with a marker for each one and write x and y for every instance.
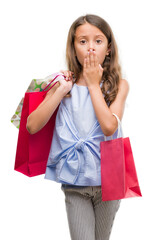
(33, 150)
(118, 172)
(36, 85)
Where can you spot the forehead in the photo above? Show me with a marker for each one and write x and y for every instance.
(88, 30)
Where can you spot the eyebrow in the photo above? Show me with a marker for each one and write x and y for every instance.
(86, 36)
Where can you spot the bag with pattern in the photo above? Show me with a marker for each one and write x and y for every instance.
(36, 85)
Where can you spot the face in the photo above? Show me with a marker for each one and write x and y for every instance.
(89, 37)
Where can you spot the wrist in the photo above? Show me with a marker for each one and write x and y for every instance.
(93, 86)
(61, 91)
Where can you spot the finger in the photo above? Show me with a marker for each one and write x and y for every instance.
(95, 59)
(70, 75)
(87, 61)
(66, 75)
(92, 59)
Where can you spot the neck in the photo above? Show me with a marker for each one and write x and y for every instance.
(81, 80)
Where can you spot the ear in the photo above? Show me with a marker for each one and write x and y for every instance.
(108, 49)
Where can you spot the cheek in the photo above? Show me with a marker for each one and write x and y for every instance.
(101, 55)
(80, 53)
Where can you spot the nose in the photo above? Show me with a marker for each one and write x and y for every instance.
(92, 49)
(91, 46)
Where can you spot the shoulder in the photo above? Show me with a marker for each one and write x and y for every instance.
(123, 88)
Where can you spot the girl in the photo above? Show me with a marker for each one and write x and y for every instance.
(84, 116)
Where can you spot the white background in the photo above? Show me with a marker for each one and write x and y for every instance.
(32, 45)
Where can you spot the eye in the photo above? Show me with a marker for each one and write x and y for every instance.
(99, 41)
(82, 41)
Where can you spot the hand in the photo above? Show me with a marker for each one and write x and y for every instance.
(68, 74)
(92, 70)
(67, 83)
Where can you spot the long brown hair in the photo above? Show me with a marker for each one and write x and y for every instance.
(112, 69)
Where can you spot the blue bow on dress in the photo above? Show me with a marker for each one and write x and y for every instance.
(72, 148)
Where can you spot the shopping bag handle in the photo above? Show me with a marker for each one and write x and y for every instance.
(51, 82)
(119, 128)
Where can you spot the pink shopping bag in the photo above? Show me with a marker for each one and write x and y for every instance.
(118, 173)
(33, 150)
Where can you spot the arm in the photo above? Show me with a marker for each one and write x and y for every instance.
(92, 73)
(41, 115)
(107, 121)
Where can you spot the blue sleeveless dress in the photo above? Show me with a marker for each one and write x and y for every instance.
(74, 157)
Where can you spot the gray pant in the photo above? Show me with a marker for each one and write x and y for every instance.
(89, 217)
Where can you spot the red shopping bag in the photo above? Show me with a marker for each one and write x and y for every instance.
(118, 173)
(33, 150)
